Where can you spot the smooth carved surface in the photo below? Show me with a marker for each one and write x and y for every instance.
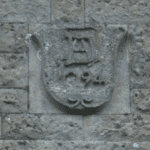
(78, 71)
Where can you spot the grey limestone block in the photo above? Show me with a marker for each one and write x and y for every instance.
(140, 101)
(51, 145)
(66, 13)
(13, 37)
(13, 70)
(13, 100)
(37, 11)
(139, 11)
(66, 145)
(117, 128)
(127, 145)
(106, 12)
(139, 70)
(45, 127)
(140, 33)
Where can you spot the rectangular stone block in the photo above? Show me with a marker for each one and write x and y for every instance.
(13, 70)
(106, 12)
(117, 128)
(25, 11)
(139, 11)
(67, 13)
(139, 70)
(12, 37)
(140, 101)
(140, 37)
(51, 145)
(45, 127)
(127, 145)
(74, 145)
(13, 100)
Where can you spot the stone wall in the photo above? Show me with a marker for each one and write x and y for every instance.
(29, 120)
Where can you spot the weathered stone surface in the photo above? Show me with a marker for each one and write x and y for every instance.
(127, 146)
(0, 128)
(117, 128)
(106, 12)
(12, 37)
(140, 37)
(13, 70)
(119, 146)
(51, 145)
(139, 70)
(66, 13)
(25, 11)
(140, 101)
(112, 34)
(139, 11)
(56, 127)
(13, 100)
(39, 102)
(74, 145)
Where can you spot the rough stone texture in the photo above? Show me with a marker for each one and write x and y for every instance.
(56, 127)
(51, 145)
(117, 128)
(140, 101)
(13, 70)
(39, 102)
(13, 37)
(139, 70)
(0, 128)
(127, 146)
(106, 12)
(140, 37)
(66, 13)
(123, 123)
(119, 146)
(13, 101)
(139, 11)
(25, 11)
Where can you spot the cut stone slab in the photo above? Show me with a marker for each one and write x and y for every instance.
(106, 12)
(140, 101)
(140, 37)
(139, 11)
(13, 37)
(127, 145)
(13, 100)
(117, 128)
(13, 70)
(25, 11)
(67, 13)
(139, 70)
(45, 127)
(51, 145)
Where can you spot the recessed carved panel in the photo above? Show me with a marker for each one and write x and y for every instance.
(78, 65)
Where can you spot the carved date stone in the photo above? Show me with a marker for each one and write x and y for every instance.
(78, 65)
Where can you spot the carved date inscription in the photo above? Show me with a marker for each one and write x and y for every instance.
(86, 77)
